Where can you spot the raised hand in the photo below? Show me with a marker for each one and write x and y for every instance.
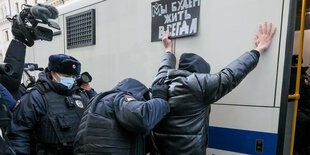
(264, 37)
(167, 42)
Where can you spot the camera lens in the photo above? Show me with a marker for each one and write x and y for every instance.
(85, 78)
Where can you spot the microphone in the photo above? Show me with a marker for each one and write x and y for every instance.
(44, 12)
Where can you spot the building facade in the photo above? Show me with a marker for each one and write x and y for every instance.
(10, 8)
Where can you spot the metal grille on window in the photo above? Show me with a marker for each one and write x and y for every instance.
(81, 29)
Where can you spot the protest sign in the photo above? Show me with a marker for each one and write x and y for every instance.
(180, 17)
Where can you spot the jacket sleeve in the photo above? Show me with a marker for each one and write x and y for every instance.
(25, 117)
(15, 56)
(215, 86)
(7, 97)
(168, 62)
(139, 116)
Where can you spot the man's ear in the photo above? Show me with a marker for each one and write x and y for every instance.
(54, 76)
(53, 73)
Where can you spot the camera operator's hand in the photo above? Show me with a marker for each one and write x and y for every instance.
(17, 33)
(160, 91)
(85, 86)
(20, 32)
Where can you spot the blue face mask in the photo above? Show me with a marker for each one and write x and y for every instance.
(67, 81)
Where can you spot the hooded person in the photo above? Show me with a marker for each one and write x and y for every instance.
(117, 121)
(49, 115)
(193, 63)
(191, 91)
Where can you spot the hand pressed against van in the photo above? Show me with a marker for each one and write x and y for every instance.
(264, 37)
(167, 42)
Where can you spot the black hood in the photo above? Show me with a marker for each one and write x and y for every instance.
(134, 87)
(193, 63)
(46, 76)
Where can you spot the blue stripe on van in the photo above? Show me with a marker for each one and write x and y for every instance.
(241, 141)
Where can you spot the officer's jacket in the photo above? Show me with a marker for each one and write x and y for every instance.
(117, 121)
(41, 108)
(184, 130)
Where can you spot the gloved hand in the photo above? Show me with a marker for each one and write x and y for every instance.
(21, 33)
(160, 91)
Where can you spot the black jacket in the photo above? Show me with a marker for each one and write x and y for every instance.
(15, 56)
(117, 121)
(31, 108)
(184, 130)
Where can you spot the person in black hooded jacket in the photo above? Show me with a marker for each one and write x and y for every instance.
(191, 91)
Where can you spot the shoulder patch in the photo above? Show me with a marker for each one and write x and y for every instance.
(129, 98)
(79, 103)
(16, 105)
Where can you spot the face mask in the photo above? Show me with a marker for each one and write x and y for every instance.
(67, 81)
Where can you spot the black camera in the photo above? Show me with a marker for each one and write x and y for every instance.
(83, 78)
(6, 69)
(28, 19)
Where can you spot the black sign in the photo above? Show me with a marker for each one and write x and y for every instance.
(180, 17)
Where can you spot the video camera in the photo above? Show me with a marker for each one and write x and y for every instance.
(84, 78)
(6, 69)
(28, 19)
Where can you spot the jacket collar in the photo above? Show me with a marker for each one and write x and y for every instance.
(173, 73)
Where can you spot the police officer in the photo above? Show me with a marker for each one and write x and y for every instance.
(46, 119)
(191, 91)
(117, 122)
